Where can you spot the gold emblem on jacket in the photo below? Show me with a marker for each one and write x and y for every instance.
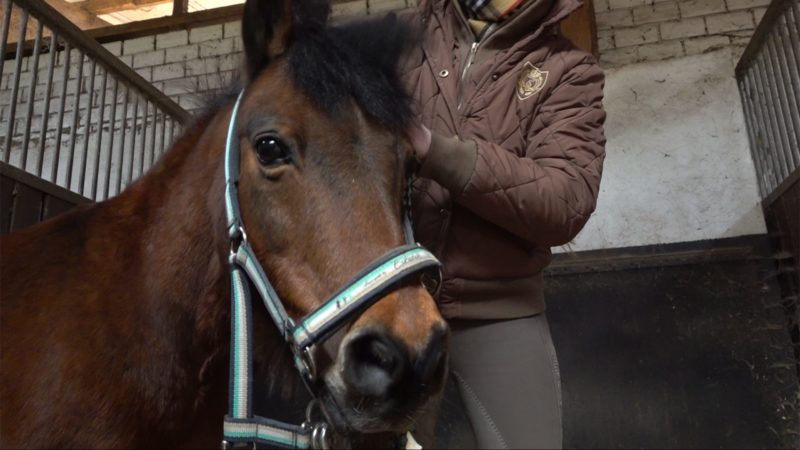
(531, 81)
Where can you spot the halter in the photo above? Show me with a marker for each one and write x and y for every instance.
(371, 284)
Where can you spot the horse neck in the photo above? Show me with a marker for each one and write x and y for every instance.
(183, 247)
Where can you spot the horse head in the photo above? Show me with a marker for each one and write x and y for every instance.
(322, 175)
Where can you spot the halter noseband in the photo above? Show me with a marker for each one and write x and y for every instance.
(371, 284)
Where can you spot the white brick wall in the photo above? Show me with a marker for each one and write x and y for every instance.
(647, 30)
(187, 65)
(172, 39)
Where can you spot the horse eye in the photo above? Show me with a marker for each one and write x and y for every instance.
(272, 151)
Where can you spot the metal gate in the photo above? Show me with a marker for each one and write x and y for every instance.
(71, 114)
(768, 75)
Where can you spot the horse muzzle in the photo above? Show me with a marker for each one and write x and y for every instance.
(380, 384)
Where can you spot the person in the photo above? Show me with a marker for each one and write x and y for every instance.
(511, 149)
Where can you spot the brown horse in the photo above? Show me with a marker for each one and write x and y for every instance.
(114, 318)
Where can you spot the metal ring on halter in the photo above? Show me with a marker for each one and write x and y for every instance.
(319, 436)
(432, 283)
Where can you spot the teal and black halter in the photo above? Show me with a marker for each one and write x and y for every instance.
(372, 283)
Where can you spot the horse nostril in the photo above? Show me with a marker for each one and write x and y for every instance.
(375, 364)
(430, 366)
(379, 354)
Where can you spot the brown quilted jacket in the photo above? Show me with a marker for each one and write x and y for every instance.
(516, 156)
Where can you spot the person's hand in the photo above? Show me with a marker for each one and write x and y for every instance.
(420, 137)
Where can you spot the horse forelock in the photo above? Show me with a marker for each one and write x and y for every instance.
(357, 60)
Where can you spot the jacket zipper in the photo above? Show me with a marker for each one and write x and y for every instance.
(464, 71)
(470, 59)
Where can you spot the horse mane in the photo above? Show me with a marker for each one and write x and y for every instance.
(357, 59)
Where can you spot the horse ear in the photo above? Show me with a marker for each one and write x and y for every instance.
(266, 32)
(268, 27)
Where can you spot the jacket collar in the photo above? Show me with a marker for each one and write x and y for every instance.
(535, 17)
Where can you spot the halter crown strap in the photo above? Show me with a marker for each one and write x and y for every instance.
(232, 173)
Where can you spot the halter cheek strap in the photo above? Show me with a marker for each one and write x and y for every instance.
(375, 281)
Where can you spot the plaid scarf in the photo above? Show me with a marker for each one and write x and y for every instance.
(480, 13)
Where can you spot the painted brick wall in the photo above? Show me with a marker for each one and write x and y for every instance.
(649, 30)
(672, 42)
(188, 65)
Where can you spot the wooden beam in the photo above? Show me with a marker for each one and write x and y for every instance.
(82, 18)
(166, 24)
(180, 7)
(110, 6)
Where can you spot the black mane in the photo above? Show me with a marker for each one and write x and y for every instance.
(359, 60)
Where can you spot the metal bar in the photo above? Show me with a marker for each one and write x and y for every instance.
(133, 141)
(153, 138)
(779, 118)
(34, 70)
(112, 125)
(62, 104)
(777, 104)
(99, 146)
(162, 149)
(87, 129)
(4, 31)
(790, 113)
(750, 125)
(761, 140)
(775, 9)
(772, 131)
(156, 135)
(75, 121)
(168, 135)
(46, 110)
(791, 78)
(175, 131)
(144, 138)
(791, 25)
(12, 113)
(122, 139)
(120, 70)
(762, 130)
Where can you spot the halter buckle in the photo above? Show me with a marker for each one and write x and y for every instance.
(432, 282)
(237, 237)
(306, 365)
